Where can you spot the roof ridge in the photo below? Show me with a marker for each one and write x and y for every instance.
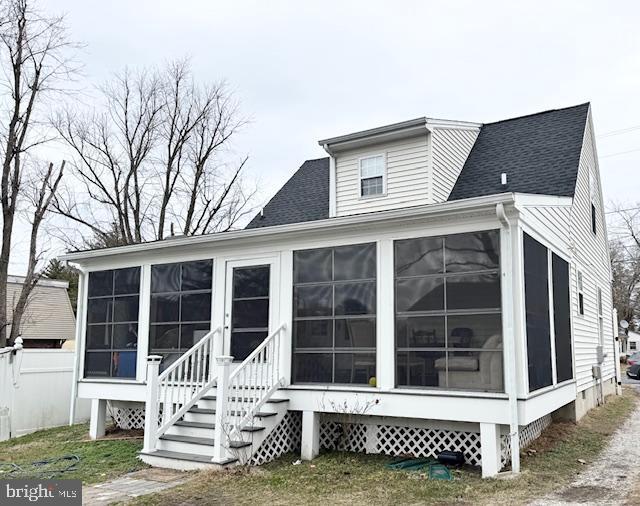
(537, 113)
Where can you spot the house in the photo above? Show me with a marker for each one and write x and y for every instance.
(48, 320)
(430, 285)
(633, 342)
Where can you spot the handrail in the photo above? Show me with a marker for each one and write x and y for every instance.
(255, 352)
(252, 383)
(200, 343)
(185, 382)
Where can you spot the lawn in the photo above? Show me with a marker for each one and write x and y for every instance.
(346, 478)
(97, 460)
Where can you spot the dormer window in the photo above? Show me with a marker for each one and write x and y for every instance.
(372, 176)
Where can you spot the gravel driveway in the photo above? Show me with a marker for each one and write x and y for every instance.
(611, 478)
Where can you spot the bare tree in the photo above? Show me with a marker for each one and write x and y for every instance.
(625, 261)
(33, 52)
(41, 202)
(153, 158)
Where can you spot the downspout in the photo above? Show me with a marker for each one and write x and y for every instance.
(80, 305)
(332, 181)
(510, 356)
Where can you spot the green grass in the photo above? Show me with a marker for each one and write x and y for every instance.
(99, 460)
(347, 478)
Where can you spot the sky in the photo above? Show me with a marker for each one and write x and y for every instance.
(303, 71)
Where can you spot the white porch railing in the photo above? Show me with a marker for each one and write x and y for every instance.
(180, 386)
(241, 393)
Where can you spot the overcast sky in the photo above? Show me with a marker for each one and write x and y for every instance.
(303, 71)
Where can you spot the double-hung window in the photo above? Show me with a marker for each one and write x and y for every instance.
(600, 319)
(580, 294)
(372, 176)
(180, 307)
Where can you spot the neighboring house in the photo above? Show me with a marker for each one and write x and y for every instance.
(48, 320)
(633, 342)
(430, 285)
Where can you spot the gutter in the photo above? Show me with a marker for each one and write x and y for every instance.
(510, 355)
(406, 213)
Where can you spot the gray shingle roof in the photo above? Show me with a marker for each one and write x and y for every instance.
(540, 154)
(305, 197)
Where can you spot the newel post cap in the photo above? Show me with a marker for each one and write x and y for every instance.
(224, 359)
(152, 359)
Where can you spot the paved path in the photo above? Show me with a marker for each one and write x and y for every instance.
(610, 479)
(147, 481)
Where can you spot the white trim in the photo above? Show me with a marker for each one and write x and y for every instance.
(385, 316)
(144, 316)
(551, 309)
(332, 185)
(410, 213)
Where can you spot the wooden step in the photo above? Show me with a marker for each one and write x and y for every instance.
(207, 411)
(270, 401)
(200, 461)
(204, 425)
(203, 441)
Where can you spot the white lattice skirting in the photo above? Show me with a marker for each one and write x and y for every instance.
(284, 438)
(527, 435)
(366, 436)
(126, 415)
(398, 440)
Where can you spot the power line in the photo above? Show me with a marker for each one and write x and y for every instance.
(611, 133)
(620, 153)
(622, 210)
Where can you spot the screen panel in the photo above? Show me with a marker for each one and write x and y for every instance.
(536, 284)
(562, 318)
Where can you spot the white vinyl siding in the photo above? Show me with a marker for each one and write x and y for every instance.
(591, 251)
(571, 229)
(451, 147)
(407, 164)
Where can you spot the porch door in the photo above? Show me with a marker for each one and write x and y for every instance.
(248, 307)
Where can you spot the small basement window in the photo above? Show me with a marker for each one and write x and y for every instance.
(372, 176)
(580, 295)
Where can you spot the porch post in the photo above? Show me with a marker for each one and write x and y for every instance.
(385, 350)
(151, 404)
(98, 417)
(310, 444)
(223, 364)
(490, 449)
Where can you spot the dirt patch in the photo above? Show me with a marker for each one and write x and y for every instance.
(585, 493)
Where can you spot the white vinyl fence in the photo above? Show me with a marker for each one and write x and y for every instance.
(35, 391)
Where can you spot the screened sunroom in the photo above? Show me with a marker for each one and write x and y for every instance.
(421, 317)
(447, 313)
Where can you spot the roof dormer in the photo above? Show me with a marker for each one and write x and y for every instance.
(410, 163)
